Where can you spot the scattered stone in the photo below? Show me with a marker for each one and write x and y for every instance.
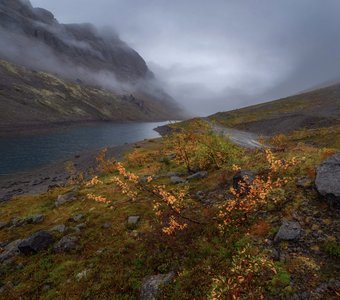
(198, 175)
(133, 220)
(36, 219)
(168, 158)
(10, 250)
(304, 182)
(107, 225)
(59, 228)
(3, 225)
(151, 284)
(17, 222)
(68, 197)
(66, 244)
(36, 242)
(243, 178)
(81, 226)
(328, 180)
(289, 230)
(177, 179)
(82, 275)
(76, 218)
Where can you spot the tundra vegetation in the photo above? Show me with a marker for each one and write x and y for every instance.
(173, 205)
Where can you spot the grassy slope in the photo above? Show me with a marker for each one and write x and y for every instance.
(31, 97)
(308, 116)
(117, 259)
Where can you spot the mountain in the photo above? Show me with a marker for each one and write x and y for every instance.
(30, 99)
(319, 108)
(52, 73)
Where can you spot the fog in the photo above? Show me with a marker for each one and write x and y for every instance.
(219, 55)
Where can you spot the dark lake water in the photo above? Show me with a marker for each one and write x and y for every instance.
(24, 153)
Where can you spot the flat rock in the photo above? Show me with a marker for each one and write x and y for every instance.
(327, 180)
(289, 230)
(198, 175)
(36, 219)
(66, 244)
(65, 198)
(151, 284)
(36, 242)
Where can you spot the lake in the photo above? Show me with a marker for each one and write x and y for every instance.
(24, 153)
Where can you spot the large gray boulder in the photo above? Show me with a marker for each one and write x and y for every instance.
(65, 198)
(327, 180)
(151, 284)
(66, 244)
(10, 250)
(36, 242)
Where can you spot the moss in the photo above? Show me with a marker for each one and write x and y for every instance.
(332, 248)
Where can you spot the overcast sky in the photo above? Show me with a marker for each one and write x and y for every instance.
(222, 54)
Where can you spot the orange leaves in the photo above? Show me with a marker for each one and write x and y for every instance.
(250, 198)
(100, 199)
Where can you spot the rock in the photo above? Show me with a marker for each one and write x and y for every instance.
(151, 285)
(198, 175)
(241, 178)
(107, 225)
(81, 226)
(82, 275)
(3, 225)
(59, 228)
(36, 219)
(289, 230)
(304, 182)
(68, 197)
(36, 242)
(10, 250)
(177, 179)
(328, 180)
(66, 244)
(133, 220)
(17, 222)
(76, 218)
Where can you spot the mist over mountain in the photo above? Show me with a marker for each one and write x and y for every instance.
(34, 38)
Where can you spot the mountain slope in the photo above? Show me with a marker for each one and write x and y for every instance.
(32, 98)
(315, 109)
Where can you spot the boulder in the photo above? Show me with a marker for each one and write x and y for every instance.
(151, 284)
(36, 242)
(66, 244)
(289, 230)
(243, 178)
(76, 218)
(198, 175)
(68, 197)
(327, 180)
(133, 220)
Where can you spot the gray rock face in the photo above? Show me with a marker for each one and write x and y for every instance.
(150, 286)
(68, 197)
(289, 230)
(36, 242)
(176, 180)
(10, 250)
(36, 219)
(198, 175)
(243, 177)
(328, 180)
(66, 244)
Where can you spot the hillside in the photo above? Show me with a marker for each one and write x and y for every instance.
(30, 98)
(177, 219)
(311, 110)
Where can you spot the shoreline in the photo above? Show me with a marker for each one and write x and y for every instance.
(40, 180)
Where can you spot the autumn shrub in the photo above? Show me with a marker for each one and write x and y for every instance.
(198, 147)
(246, 278)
